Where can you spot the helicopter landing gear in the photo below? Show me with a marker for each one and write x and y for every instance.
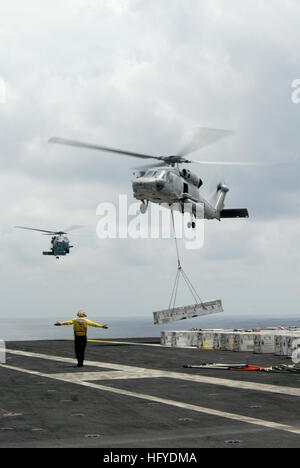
(144, 207)
(181, 202)
(191, 224)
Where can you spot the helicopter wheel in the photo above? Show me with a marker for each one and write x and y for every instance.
(182, 206)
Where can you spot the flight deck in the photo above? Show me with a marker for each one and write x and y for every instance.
(134, 393)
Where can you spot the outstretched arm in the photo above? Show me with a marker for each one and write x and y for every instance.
(59, 324)
(96, 325)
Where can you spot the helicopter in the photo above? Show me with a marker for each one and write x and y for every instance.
(166, 183)
(60, 244)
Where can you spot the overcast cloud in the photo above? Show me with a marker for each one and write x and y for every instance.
(141, 75)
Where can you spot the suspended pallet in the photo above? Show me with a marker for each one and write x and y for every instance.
(200, 308)
(187, 312)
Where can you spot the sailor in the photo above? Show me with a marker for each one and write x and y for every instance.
(80, 325)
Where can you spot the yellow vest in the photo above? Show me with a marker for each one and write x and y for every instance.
(80, 325)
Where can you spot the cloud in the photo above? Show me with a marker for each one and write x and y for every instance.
(141, 76)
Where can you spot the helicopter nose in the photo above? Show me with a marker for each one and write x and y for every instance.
(143, 185)
(160, 185)
(148, 185)
(137, 185)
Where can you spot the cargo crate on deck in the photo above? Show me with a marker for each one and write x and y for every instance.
(264, 343)
(206, 340)
(244, 342)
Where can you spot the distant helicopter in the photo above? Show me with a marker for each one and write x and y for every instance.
(60, 244)
(165, 183)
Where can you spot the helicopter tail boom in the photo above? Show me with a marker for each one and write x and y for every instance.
(222, 191)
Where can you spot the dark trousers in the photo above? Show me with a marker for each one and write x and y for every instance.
(80, 345)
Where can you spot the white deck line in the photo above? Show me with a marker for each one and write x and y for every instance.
(242, 385)
(199, 409)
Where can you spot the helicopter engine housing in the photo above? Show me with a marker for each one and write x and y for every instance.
(191, 177)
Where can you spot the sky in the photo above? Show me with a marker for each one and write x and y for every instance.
(142, 75)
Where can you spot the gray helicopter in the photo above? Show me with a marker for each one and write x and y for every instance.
(60, 244)
(166, 183)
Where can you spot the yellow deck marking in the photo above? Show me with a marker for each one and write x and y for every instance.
(126, 342)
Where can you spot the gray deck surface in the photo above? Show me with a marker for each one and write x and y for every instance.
(141, 396)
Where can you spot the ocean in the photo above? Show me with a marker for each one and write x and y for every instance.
(42, 328)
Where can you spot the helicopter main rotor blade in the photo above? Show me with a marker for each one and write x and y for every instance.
(79, 144)
(150, 166)
(235, 163)
(38, 230)
(204, 137)
(72, 228)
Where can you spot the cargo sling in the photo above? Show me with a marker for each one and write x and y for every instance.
(181, 272)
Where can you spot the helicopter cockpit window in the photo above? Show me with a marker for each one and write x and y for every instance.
(162, 175)
(139, 174)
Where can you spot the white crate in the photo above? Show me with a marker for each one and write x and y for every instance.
(264, 343)
(244, 342)
(284, 342)
(222, 341)
(167, 338)
(217, 341)
(184, 339)
(288, 345)
(281, 345)
(294, 349)
(179, 339)
(195, 338)
(206, 340)
(2, 352)
(229, 340)
(226, 340)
